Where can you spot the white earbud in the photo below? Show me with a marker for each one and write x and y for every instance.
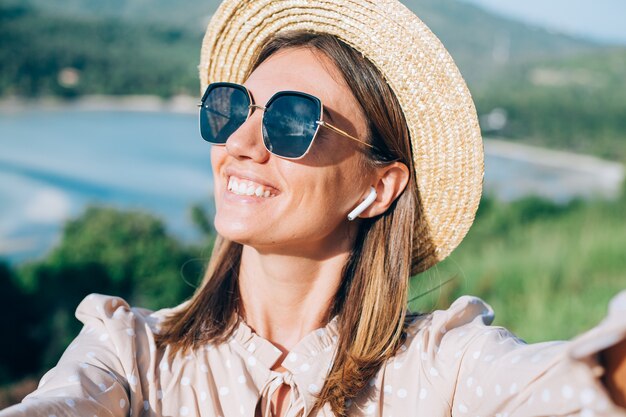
(364, 204)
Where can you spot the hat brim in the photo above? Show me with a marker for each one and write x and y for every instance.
(445, 136)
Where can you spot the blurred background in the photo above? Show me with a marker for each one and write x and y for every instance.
(105, 183)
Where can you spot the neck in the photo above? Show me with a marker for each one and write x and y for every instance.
(285, 297)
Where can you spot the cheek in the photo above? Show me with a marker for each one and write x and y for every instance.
(334, 194)
(218, 153)
(217, 156)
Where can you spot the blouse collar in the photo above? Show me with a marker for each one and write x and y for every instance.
(307, 364)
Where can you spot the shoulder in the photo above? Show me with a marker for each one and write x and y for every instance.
(465, 314)
(447, 336)
(113, 317)
(435, 347)
(118, 335)
(111, 311)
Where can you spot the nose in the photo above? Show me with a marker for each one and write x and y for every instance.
(247, 141)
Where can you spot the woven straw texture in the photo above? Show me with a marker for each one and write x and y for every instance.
(446, 142)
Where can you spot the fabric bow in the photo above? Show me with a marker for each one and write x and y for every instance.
(277, 379)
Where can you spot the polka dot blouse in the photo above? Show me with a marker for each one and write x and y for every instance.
(452, 364)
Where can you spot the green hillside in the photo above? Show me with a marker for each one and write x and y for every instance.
(106, 56)
(191, 14)
(124, 36)
(480, 42)
(548, 271)
(576, 103)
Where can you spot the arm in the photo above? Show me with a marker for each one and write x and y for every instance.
(91, 377)
(486, 370)
(567, 376)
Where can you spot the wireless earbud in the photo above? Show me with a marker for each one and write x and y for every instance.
(364, 204)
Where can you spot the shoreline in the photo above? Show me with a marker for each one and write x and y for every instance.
(555, 158)
(98, 102)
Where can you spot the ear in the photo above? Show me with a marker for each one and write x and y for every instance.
(389, 182)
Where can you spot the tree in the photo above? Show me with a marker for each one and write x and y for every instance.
(17, 349)
(123, 253)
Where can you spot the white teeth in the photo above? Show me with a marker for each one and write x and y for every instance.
(247, 188)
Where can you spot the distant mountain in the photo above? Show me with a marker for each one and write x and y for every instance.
(480, 42)
(191, 14)
(483, 44)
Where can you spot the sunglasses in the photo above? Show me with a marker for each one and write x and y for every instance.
(291, 119)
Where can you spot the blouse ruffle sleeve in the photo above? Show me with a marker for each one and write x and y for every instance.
(482, 370)
(98, 373)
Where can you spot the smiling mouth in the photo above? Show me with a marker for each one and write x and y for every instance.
(245, 187)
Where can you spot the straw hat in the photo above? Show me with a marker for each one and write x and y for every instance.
(441, 117)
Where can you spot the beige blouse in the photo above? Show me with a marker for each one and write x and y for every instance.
(452, 364)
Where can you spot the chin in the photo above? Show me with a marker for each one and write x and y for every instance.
(241, 232)
(229, 229)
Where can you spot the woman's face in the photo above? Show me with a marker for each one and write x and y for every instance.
(310, 197)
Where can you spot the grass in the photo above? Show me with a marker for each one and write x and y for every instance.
(548, 271)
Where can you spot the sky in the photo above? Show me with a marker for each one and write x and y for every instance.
(596, 19)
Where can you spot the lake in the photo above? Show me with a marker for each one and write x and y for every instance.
(55, 162)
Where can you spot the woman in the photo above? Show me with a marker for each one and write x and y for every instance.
(339, 172)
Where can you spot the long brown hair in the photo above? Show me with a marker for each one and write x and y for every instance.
(371, 302)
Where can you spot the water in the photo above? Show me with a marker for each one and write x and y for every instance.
(513, 171)
(55, 162)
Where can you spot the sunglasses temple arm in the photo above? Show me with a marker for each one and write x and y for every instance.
(341, 132)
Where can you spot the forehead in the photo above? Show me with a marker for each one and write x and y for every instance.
(299, 69)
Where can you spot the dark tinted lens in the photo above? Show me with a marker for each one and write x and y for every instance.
(225, 108)
(289, 124)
